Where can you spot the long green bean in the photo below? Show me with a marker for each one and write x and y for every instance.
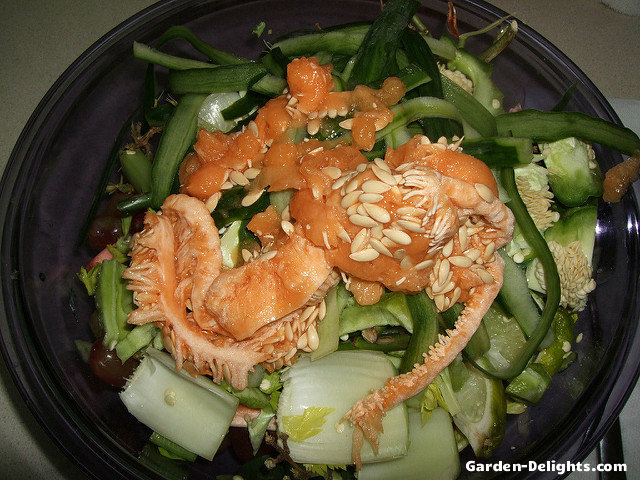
(424, 107)
(176, 140)
(552, 126)
(107, 172)
(225, 78)
(551, 277)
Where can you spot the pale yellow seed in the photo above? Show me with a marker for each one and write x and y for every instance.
(306, 313)
(489, 251)
(332, 113)
(485, 192)
(397, 236)
(286, 214)
(473, 254)
(269, 255)
(350, 198)
(485, 276)
(332, 172)
(387, 242)
(238, 178)
(353, 185)
(346, 124)
(383, 175)
(312, 338)
(411, 226)
(448, 248)
(463, 237)
(344, 236)
(370, 197)
(439, 301)
(379, 247)
(460, 261)
(293, 351)
(375, 186)
(288, 333)
(443, 271)
(423, 265)
(340, 182)
(378, 213)
(287, 227)
(455, 295)
(251, 173)
(413, 211)
(360, 240)
(382, 164)
(313, 126)
(366, 255)
(362, 221)
(212, 201)
(352, 209)
(251, 198)
(322, 309)
(376, 232)
(325, 238)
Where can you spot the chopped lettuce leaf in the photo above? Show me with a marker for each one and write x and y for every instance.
(258, 427)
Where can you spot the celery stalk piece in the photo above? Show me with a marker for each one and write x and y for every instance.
(337, 382)
(178, 406)
(432, 454)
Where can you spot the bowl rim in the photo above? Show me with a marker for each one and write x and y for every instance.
(45, 400)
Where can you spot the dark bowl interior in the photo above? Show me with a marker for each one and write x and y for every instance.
(54, 170)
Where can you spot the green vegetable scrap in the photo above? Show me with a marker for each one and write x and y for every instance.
(113, 302)
(574, 175)
(89, 278)
(301, 427)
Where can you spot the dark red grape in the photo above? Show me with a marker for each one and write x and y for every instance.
(108, 367)
(111, 208)
(104, 231)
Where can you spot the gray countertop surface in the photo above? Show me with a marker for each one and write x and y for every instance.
(39, 39)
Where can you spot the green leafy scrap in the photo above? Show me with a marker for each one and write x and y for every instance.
(89, 278)
(310, 423)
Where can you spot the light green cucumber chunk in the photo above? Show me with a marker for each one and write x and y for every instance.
(177, 405)
(337, 382)
(230, 244)
(482, 401)
(432, 453)
(328, 327)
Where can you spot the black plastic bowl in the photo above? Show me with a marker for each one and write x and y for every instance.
(53, 173)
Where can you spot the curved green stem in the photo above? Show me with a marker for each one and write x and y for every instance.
(551, 278)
